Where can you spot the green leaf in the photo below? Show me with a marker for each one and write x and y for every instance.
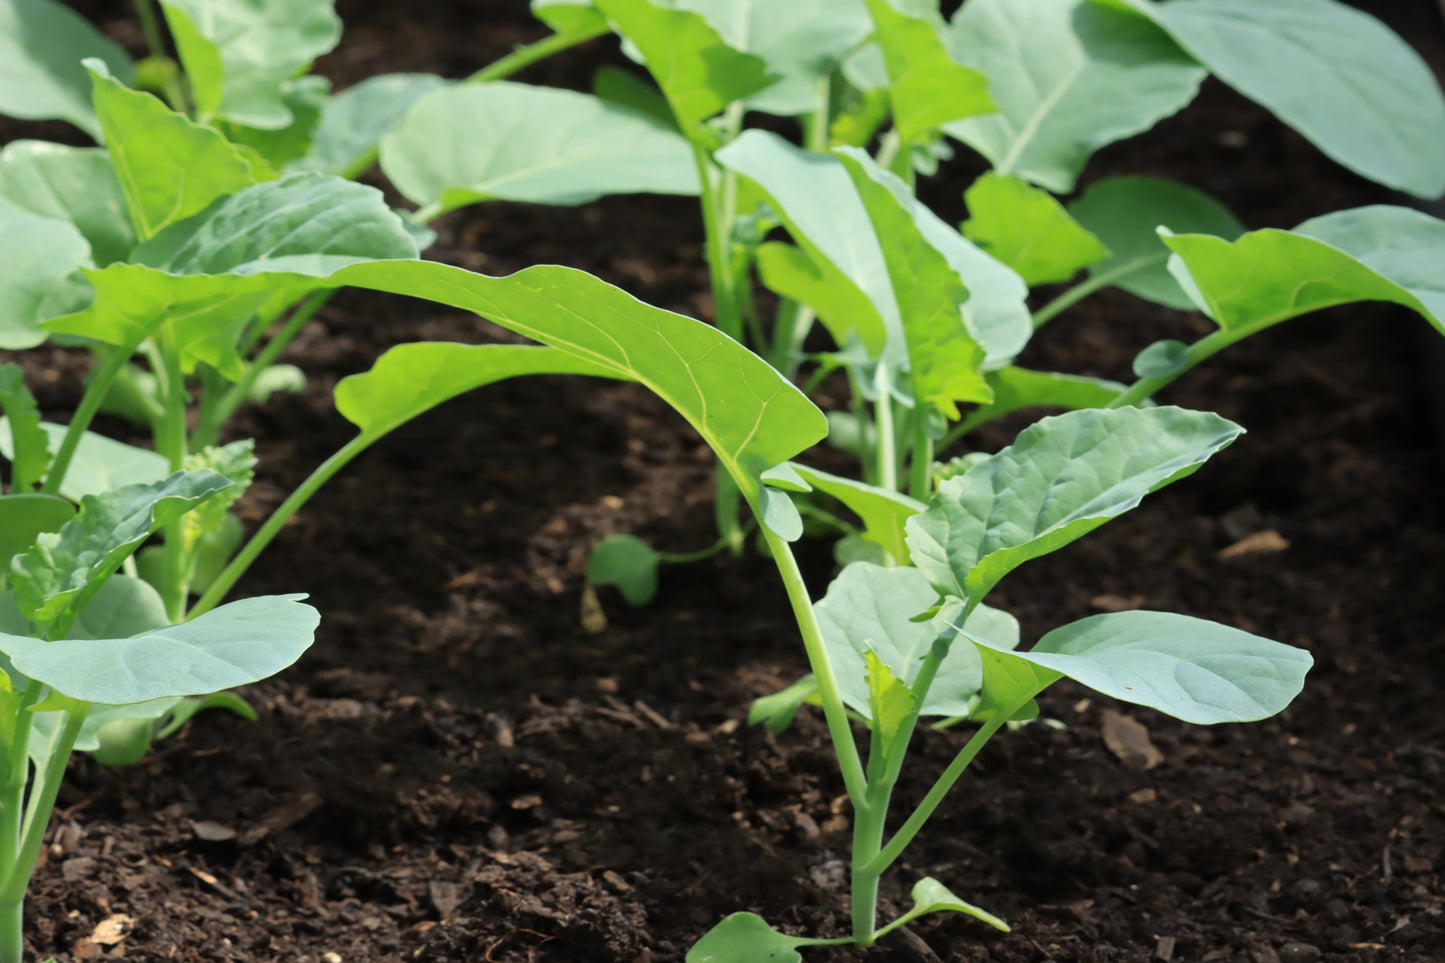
(1018, 388)
(1025, 228)
(870, 609)
(233, 645)
(72, 184)
(100, 464)
(928, 87)
(1161, 359)
(944, 359)
(64, 570)
(240, 55)
(698, 72)
(169, 166)
(746, 938)
(570, 17)
(1192, 669)
(506, 141)
(1126, 212)
(627, 562)
(41, 45)
(1063, 477)
(1068, 78)
(778, 710)
(890, 704)
(1335, 74)
(931, 896)
(38, 261)
(304, 98)
(1379, 253)
(24, 517)
(29, 444)
(882, 510)
(354, 121)
(236, 463)
(121, 607)
(780, 514)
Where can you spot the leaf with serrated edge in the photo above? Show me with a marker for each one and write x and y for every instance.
(931, 896)
(1069, 78)
(1025, 228)
(30, 446)
(232, 645)
(41, 45)
(890, 703)
(507, 141)
(928, 87)
(24, 517)
(1063, 477)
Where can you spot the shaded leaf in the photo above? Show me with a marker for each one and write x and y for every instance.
(1018, 388)
(928, 88)
(24, 517)
(354, 121)
(1025, 228)
(30, 447)
(41, 46)
(882, 510)
(71, 184)
(304, 97)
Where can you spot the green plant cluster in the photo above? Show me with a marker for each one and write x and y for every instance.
(220, 213)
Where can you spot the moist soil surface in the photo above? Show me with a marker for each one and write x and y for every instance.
(459, 771)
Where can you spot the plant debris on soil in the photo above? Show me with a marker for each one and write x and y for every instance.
(459, 771)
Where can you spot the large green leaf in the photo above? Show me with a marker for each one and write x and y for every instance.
(927, 88)
(100, 464)
(1192, 669)
(1334, 73)
(354, 121)
(698, 71)
(870, 609)
(1025, 228)
(240, 54)
(1126, 213)
(1068, 78)
(1063, 477)
(38, 280)
(233, 645)
(169, 166)
(747, 938)
(1379, 253)
(41, 46)
(475, 142)
(65, 569)
(74, 184)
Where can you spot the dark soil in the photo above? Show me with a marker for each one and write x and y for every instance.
(457, 771)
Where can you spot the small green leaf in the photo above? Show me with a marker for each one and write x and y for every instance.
(697, 71)
(354, 121)
(23, 517)
(746, 938)
(30, 447)
(778, 710)
(890, 704)
(1192, 669)
(882, 510)
(1334, 73)
(65, 570)
(1068, 78)
(169, 166)
(779, 514)
(475, 142)
(931, 896)
(1126, 213)
(38, 280)
(627, 562)
(41, 46)
(233, 645)
(1162, 359)
(100, 464)
(1025, 228)
(72, 184)
(791, 273)
(1063, 477)
(928, 87)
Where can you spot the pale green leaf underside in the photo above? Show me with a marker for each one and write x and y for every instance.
(1068, 78)
(41, 46)
(354, 121)
(1379, 253)
(1192, 669)
(39, 258)
(100, 464)
(1025, 228)
(232, 645)
(1063, 477)
(72, 184)
(931, 896)
(506, 141)
(1125, 213)
(1018, 388)
(1335, 74)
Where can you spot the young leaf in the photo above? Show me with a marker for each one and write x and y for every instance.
(29, 444)
(890, 703)
(38, 261)
(66, 569)
(778, 710)
(73, 184)
(1018, 388)
(746, 938)
(232, 645)
(1063, 477)
(236, 463)
(578, 18)
(1126, 212)
(870, 609)
(627, 562)
(928, 87)
(697, 71)
(1335, 74)
(169, 166)
(240, 54)
(41, 45)
(1068, 78)
(882, 510)
(100, 464)
(931, 896)
(505, 141)
(1377, 253)
(304, 98)
(1025, 228)
(354, 121)
(1192, 669)
(24, 517)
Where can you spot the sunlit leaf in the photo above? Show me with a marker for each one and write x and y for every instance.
(1028, 230)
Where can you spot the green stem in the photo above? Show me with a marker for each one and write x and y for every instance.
(1071, 297)
(888, 150)
(90, 402)
(171, 442)
(1206, 347)
(920, 477)
(155, 43)
(887, 452)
